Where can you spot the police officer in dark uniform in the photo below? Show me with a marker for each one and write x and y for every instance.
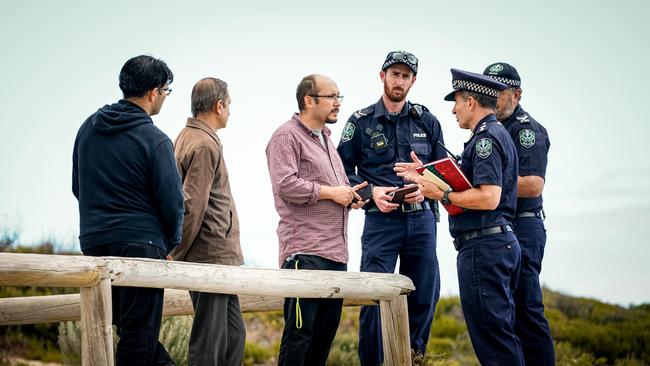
(488, 251)
(373, 140)
(532, 142)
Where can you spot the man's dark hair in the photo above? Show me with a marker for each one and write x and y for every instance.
(306, 87)
(143, 73)
(483, 100)
(206, 93)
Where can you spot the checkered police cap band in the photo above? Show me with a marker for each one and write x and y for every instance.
(474, 87)
(509, 82)
(504, 73)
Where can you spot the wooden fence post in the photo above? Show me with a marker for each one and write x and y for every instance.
(96, 327)
(395, 331)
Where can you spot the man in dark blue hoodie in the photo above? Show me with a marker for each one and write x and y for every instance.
(130, 199)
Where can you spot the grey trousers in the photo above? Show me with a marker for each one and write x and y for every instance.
(218, 332)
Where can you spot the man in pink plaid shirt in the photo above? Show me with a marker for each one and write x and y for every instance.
(312, 197)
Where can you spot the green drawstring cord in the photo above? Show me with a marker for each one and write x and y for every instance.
(298, 311)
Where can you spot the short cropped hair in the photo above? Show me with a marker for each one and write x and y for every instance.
(306, 87)
(143, 73)
(483, 100)
(206, 92)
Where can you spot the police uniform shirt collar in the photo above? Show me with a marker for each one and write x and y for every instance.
(473, 82)
(516, 112)
(483, 123)
(380, 110)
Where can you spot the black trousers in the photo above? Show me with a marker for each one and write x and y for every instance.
(137, 311)
(218, 331)
(308, 336)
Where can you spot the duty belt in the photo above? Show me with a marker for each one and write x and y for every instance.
(407, 207)
(539, 214)
(467, 235)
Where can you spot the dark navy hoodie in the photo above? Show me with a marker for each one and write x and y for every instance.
(125, 177)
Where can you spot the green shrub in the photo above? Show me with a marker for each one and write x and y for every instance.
(344, 351)
(628, 362)
(567, 355)
(175, 336)
(440, 346)
(256, 354)
(70, 342)
(445, 326)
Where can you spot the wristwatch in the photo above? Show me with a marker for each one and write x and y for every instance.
(445, 197)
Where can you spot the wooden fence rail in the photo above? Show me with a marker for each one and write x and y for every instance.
(260, 290)
(58, 308)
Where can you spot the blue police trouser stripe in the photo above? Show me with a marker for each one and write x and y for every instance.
(531, 326)
(310, 345)
(488, 269)
(412, 237)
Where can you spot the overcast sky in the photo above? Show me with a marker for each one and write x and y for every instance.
(584, 68)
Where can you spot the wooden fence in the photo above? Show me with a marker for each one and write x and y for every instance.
(259, 290)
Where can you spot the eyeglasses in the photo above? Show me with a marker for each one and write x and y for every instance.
(166, 89)
(404, 56)
(330, 97)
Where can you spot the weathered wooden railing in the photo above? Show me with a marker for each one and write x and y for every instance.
(260, 290)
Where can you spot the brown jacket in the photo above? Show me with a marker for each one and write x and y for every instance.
(210, 225)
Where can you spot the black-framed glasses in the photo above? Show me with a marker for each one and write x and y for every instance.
(167, 90)
(330, 97)
(404, 56)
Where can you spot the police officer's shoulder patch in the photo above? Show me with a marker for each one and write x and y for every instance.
(348, 132)
(523, 118)
(358, 114)
(527, 138)
(484, 147)
(482, 128)
(362, 113)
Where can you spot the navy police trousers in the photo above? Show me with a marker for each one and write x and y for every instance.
(531, 326)
(412, 237)
(488, 269)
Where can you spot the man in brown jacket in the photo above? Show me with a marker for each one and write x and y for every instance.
(210, 227)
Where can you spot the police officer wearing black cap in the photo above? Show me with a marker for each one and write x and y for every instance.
(488, 251)
(532, 142)
(373, 140)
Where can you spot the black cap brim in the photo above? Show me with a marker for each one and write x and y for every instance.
(451, 96)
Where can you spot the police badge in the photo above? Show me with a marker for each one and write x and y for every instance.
(527, 138)
(495, 69)
(348, 132)
(484, 148)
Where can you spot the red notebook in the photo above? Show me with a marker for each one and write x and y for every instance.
(447, 170)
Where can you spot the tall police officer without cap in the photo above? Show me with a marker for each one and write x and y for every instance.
(532, 142)
(373, 140)
(489, 254)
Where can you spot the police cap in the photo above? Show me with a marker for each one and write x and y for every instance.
(476, 83)
(401, 57)
(505, 73)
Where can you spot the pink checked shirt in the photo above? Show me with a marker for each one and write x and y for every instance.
(299, 164)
